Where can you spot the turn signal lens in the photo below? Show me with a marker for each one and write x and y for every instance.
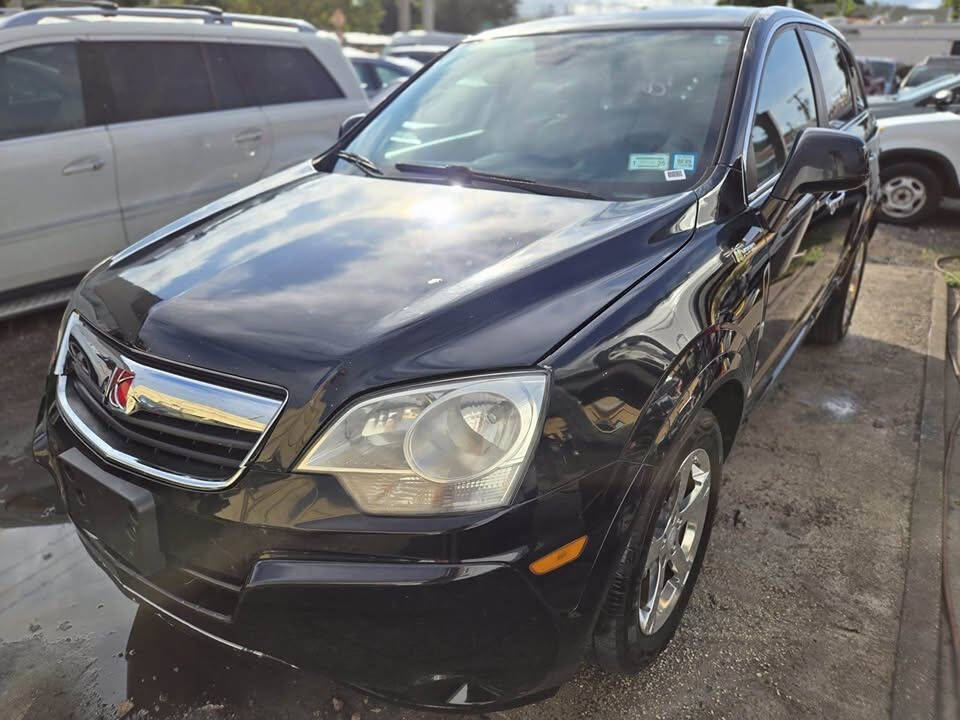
(563, 555)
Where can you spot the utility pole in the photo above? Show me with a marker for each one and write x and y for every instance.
(403, 15)
(428, 12)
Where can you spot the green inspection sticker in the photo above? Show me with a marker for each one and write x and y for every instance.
(649, 161)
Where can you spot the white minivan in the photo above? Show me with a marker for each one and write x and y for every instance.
(115, 122)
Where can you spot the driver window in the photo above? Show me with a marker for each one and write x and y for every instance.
(40, 91)
(785, 107)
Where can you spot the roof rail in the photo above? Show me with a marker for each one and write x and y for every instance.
(209, 14)
(212, 9)
(40, 4)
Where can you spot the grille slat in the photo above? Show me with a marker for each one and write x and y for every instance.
(158, 443)
(178, 429)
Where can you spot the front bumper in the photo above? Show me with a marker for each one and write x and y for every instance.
(440, 633)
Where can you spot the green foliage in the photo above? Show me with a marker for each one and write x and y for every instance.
(470, 16)
(954, 5)
(463, 16)
(845, 7)
(362, 15)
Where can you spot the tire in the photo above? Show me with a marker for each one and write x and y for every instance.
(911, 193)
(834, 321)
(628, 636)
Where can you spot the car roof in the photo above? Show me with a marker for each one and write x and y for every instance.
(353, 53)
(400, 49)
(709, 17)
(103, 13)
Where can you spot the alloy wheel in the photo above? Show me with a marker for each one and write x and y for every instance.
(677, 533)
(903, 196)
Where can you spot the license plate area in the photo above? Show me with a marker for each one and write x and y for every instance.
(121, 515)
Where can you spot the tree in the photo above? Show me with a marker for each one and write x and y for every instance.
(362, 15)
(954, 7)
(463, 16)
(470, 16)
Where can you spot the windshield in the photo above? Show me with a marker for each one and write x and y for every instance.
(922, 74)
(928, 88)
(621, 115)
(882, 68)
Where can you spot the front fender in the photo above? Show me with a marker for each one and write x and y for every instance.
(679, 398)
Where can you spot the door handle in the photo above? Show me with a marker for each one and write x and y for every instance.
(834, 201)
(743, 249)
(87, 164)
(246, 136)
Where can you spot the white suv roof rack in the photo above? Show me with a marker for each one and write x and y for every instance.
(209, 14)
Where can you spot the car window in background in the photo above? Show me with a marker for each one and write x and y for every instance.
(786, 106)
(836, 83)
(618, 114)
(277, 75)
(157, 79)
(882, 68)
(227, 89)
(40, 91)
(922, 74)
(928, 88)
(387, 75)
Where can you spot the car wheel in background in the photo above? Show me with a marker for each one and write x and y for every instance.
(657, 571)
(911, 193)
(834, 321)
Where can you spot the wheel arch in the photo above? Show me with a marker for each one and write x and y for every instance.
(726, 402)
(938, 163)
(720, 386)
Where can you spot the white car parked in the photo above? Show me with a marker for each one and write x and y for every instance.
(919, 164)
(115, 122)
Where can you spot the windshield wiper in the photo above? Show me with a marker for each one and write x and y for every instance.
(467, 176)
(365, 164)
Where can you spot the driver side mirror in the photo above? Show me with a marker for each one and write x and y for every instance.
(821, 161)
(348, 124)
(942, 99)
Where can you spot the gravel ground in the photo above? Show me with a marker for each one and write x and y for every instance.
(796, 613)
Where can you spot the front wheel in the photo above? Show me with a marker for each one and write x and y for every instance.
(660, 565)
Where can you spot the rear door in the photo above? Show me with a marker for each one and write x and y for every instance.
(843, 107)
(58, 196)
(303, 103)
(183, 130)
(785, 107)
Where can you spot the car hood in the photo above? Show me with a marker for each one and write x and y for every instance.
(369, 281)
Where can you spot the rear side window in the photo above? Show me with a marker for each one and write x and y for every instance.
(836, 82)
(388, 75)
(40, 91)
(157, 79)
(785, 107)
(227, 89)
(276, 75)
(368, 78)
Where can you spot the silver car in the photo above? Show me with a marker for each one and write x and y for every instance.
(115, 122)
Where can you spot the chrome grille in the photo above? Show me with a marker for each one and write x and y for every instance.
(164, 425)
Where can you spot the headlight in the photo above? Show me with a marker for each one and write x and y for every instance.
(447, 447)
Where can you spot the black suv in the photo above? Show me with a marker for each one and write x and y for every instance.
(446, 406)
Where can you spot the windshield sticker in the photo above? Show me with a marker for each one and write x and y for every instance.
(649, 161)
(670, 175)
(685, 161)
